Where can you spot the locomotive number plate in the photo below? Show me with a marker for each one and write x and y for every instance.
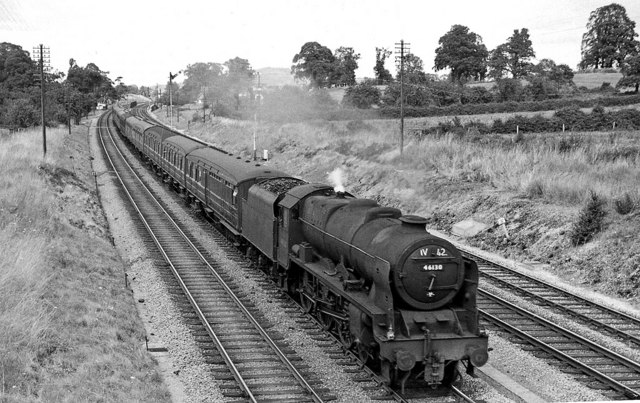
(432, 267)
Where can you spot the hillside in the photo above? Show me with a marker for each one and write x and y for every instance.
(275, 76)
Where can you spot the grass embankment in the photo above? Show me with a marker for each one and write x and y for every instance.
(538, 182)
(69, 330)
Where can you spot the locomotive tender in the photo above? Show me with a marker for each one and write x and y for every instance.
(403, 299)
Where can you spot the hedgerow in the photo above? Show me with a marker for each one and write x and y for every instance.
(509, 107)
(569, 119)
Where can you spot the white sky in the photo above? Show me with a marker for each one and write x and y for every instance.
(143, 41)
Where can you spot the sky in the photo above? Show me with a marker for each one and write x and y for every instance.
(142, 41)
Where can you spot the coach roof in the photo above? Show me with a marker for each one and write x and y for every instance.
(185, 144)
(233, 168)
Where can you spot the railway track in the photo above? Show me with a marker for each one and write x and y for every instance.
(263, 368)
(590, 363)
(617, 324)
(374, 386)
(600, 368)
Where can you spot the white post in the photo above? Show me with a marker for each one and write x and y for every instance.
(563, 128)
(255, 128)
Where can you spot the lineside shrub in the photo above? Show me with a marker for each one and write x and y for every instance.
(590, 221)
(624, 204)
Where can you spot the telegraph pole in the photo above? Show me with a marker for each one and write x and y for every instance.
(44, 56)
(402, 48)
(258, 98)
(204, 104)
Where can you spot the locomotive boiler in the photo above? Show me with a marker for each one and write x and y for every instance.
(403, 298)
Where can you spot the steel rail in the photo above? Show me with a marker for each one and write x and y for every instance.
(227, 289)
(568, 310)
(461, 394)
(236, 374)
(562, 292)
(587, 344)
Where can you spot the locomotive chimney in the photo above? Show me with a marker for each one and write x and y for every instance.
(411, 220)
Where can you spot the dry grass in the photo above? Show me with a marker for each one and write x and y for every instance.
(539, 166)
(68, 328)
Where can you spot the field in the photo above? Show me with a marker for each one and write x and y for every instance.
(69, 330)
(595, 80)
(538, 182)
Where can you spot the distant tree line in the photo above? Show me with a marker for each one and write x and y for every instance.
(69, 96)
(610, 41)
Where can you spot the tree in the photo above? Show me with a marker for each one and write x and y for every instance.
(239, 78)
(548, 79)
(630, 73)
(463, 52)
(512, 57)
(361, 96)
(201, 76)
(560, 73)
(91, 80)
(17, 70)
(609, 39)
(509, 89)
(413, 70)
(314, 64)
(346, 63)
(382, 75)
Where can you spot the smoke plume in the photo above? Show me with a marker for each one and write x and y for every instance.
(336, 177)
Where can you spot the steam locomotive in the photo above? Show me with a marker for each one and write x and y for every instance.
(401, 298)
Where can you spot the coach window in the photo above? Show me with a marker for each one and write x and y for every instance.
(234, 195)
(191, 169)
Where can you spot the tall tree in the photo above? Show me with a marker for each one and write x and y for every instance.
(17, 70)
(382, 75)
(314, 64)
(92, 84)
(463, 52)
(239, 78)
(610, 37)
(346, 63)
(201, 76)
(512, 57)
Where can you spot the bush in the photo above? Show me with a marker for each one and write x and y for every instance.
(361, 96)
(21, 114)
(391, 110)
(624, 205)
(590, 221)
(360, 126)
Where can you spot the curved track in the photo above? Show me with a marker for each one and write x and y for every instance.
(599, 367)
(615, 323)
(262, 368)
